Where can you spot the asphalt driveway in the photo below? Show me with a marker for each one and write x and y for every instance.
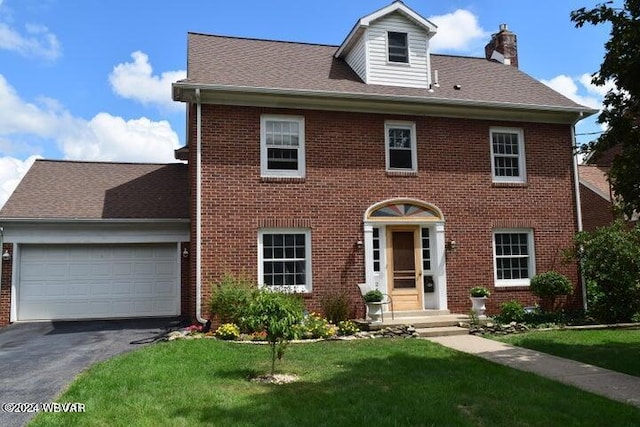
(39, 360)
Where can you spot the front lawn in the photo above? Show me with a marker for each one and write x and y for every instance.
(615, 349)
(382, 382)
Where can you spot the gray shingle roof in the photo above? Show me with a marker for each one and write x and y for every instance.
(230, 61)
(91, 190)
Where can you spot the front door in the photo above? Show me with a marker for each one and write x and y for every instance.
(404, 267)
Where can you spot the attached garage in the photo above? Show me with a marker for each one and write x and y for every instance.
(98, 281)
(91, 240)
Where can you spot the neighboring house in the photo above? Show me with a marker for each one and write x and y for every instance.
(317, 167)
(595, 197)
(95, 240)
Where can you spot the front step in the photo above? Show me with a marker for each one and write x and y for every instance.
(444, 331)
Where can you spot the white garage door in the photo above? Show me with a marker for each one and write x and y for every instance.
(98, 281)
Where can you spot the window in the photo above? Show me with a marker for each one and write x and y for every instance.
(507, 154)
(284, 259)
(400, 139)
(376, 249)
(513, 257)
(282, 146)
(398, 47)
(426, 250)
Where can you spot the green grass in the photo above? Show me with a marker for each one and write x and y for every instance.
(615, 349)
(384, 382)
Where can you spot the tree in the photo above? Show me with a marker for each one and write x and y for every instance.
(275, 313)
(621, 113)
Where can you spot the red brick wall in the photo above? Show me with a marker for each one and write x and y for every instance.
(5, 286)
(596, 211)
(345, 174)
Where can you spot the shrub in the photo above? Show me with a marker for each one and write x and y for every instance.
(230, 298)
(315, 326)
(373, 296)
(610, 258)
(275, 313)
(228, 331)
(550, 285)
(511, 311)
(347, 327)
(336, 307)
(479, 292)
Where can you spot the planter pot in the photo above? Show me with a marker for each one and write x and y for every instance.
(478, 306)
(374, 311)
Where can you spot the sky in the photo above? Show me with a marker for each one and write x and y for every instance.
(91, 79)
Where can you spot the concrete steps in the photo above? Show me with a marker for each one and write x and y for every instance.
(426, 324)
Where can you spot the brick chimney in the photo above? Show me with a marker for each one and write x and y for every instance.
(503, 47)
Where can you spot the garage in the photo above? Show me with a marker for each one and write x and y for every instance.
(98, 281)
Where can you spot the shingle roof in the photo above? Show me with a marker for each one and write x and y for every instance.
(90, 190)
(596, 178)
(230, 61)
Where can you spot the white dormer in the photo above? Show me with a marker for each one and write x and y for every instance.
(390, 47)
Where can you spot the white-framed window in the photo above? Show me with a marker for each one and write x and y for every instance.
(376, 249)
(282, 146)
(397, 47)
(400, 142)
(513, 257)
(284, 259)
(507, 155)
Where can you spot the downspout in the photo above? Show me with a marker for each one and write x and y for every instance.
(576, 184)
(199, 208)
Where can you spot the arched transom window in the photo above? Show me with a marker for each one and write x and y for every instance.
(403, 210)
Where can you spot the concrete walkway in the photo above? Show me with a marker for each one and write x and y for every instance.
(613, 385)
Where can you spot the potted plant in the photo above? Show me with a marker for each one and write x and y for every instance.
(479, 296)
(373, 299)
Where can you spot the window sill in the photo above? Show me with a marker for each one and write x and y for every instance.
(402, 173)
(509, 184)
(283, 179)
(509, 288)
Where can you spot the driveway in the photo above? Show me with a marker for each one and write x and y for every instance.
(39, 360)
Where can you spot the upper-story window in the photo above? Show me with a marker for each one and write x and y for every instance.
(507, 155)
(282, 146)
(400, 139)
(398, 47)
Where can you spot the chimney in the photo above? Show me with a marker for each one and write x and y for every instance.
(503, 47)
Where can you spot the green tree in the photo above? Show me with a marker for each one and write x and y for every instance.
(621, 113)
(275, 313)
(610, 258)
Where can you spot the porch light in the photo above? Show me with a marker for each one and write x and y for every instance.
(185, 253)
(451, 245)
(359, 244)
(6, 256)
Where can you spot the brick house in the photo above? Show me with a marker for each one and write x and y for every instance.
(315, 168)
(318, 167)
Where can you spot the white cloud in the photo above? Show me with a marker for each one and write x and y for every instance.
(102, 138)
(106, 137)
(11, 172)
(601, 91)
(37, 41)
(458, 31)
(135, 80)
(568, 87)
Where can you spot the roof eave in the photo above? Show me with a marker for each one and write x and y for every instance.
(366, 102)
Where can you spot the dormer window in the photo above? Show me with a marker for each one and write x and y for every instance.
(398, 47)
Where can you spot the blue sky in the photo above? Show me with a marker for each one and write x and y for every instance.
(90, 79)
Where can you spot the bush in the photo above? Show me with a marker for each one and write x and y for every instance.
(230, 298)
(228, 331)
(347, 327)
(336, 307)
(550, 285)
(511, 311)
(610, 258)
(373, 296)
(315, 326)
(479, 292)
(275, 313)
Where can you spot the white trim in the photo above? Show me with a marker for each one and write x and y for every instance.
(522, 163)
(15, 272)
(264, 167)
(392, 124)
(308, 260)
(531, 257)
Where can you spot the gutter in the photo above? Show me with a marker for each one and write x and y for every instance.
(576, 184)
(414, 99)
(199, 208)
